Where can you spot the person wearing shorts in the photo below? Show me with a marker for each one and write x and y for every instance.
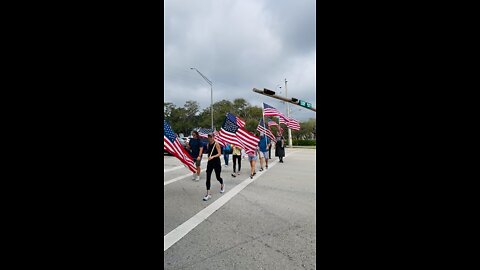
(196, 148)
(252, 158)
(263, 147)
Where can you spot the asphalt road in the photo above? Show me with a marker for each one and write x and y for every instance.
(265, 223)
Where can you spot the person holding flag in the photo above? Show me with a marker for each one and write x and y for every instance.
(196, 148)
(273, 142)
(262, 145)
(172, 145)
(214, 152)
(252, 158)
(265, 136)
(280, 148)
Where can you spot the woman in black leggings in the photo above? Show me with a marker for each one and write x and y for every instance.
(214, 153)
(237, 153)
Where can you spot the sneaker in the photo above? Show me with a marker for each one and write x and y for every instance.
(197, 178)
(222, 190)
(238, 173)
(254, 173)
(207, 197)
(266, 167)
(251, 176)
(233, 174)
(261, 169)
(194, 176)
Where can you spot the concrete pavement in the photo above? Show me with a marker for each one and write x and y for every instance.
(265, 223)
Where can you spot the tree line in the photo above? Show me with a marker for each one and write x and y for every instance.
(185, 119)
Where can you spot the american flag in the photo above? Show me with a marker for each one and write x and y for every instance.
(234, 134)
(203, 132)
(271, 111)
(218, 139)
(290, 122)
(272, 123)
(262, 129)
(280, 129)
(293, 124)
(172, 145)
(236, 119)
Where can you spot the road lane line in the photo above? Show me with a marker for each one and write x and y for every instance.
(173, 169)
(178, 233)
(179, 167)
(180, 177)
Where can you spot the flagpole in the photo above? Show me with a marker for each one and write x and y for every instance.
(265, 133)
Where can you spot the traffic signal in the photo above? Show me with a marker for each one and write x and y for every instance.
(268, 91)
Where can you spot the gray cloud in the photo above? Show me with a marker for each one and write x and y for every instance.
(240, 45)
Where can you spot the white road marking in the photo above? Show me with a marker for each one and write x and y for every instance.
(173, 169)
(180, 177)
(178, 233)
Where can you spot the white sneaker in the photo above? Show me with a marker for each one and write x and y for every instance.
(222, 190)
(207, 197)
(194, 176)
(197, 178)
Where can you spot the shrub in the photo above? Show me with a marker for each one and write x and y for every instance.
(304, 142)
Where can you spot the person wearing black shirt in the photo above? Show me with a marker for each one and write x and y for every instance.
(196, 148)
(214, 153)
(280, 148)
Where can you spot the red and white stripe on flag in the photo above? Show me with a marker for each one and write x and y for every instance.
(240, 122)
(270, 111)
(218, 139)
(242, 137)
(179, 152)
(293, 124)
(290, 122)
(266, 131)
(272, 123)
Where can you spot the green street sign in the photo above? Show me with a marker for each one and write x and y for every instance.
(305, 104)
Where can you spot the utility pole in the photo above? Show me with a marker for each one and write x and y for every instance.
(288, 115)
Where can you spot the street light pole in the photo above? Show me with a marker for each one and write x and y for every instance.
(211, 92)
(288, 115)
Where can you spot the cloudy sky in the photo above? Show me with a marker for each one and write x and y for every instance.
(239, 45)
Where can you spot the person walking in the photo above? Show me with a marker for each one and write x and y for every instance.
(270, 150)
(244, 154)
(280, 148)
(252, 158)
(196, 149)
(214, 152)
(262, 145)
(226, 153)
(236, 156)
